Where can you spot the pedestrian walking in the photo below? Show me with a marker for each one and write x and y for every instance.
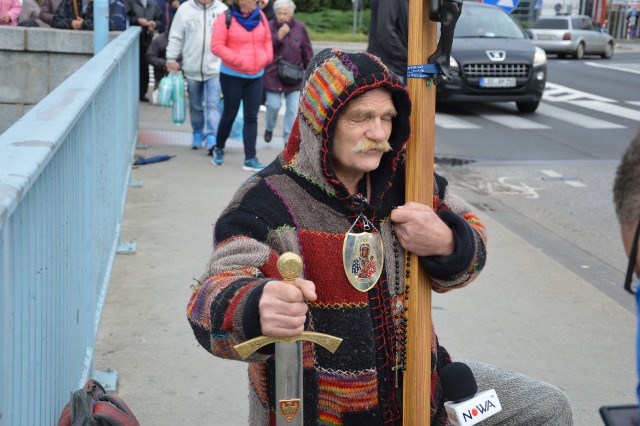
(291, 43)
(242, 40)
(190, 36)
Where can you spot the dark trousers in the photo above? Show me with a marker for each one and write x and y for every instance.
(249, 91)
(144, 65)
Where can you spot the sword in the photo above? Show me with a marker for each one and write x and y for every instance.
(289, 367)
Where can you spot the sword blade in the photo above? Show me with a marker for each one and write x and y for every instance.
(289, 394)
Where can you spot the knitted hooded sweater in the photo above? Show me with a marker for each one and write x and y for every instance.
(298, 204)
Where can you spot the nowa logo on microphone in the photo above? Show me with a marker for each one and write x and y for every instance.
(478, 410)
(473, 410)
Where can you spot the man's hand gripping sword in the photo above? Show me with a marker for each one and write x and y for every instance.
(289, 353)
(290, 267)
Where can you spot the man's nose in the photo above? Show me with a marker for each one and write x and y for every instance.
(377, 130)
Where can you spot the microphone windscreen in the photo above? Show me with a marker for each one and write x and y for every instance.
(458, 382)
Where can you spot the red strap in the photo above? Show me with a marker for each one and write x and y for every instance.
(65, 417)
(118, 402)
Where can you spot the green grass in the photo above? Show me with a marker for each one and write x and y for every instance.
(335, 25)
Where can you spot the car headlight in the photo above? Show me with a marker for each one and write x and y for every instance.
(540, 57)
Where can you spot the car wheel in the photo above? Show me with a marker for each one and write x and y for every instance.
(579, 53)
(608, 51)
(528, 106)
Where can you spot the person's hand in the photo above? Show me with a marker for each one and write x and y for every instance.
(175, 4)
(173, 67)
(76, 24)
(283, 310)
(5, 19)
(143, 22)
(421, 231)
(151, 25)
(283, 31)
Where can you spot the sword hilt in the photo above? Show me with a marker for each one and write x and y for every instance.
(290, 266)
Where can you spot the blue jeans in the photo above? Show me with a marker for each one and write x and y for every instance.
(249, 91)
(204, 100)
(274, 100)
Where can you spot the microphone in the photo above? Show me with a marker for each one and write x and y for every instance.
(466, 407)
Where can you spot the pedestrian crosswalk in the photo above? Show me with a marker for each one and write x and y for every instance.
(560, 106)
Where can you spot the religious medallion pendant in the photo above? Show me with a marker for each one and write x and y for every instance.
(363, 255)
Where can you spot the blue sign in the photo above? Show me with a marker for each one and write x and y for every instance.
(507, 5)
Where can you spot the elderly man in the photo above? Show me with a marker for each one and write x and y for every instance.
(341, 178)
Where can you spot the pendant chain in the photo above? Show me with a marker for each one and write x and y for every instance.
(400, 308)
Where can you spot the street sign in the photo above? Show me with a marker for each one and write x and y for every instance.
(507, 5)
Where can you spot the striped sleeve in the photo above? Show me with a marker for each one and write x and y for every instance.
(465, 264)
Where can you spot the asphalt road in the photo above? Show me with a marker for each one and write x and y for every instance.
(548, 176)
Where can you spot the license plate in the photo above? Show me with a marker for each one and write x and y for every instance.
(545, 37)
(490, 82)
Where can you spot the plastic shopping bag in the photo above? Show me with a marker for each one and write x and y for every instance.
(179, 111)
(165, 91)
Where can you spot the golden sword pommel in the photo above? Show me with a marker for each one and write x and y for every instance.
(290, 267)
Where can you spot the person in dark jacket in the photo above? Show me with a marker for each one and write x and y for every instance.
(291, 43)
(70, 16)
(157, 57)
(389, 34)
(148, 15)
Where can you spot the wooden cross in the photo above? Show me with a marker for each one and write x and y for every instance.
(419, 188)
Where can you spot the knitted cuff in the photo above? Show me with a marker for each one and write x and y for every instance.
(251, 315)
(445, 267)
(251, 319)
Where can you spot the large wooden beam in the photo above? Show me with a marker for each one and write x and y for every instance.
(419, 188)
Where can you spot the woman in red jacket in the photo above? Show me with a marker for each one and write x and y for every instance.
(243, 42)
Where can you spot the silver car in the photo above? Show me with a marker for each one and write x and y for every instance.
(575, 35)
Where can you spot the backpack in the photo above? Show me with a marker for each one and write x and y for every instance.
(117, 16)
(91, 406)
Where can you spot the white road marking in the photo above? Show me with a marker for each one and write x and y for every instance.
(620, 111)
(570, 182)
(557, 93)
(630, 68)
(514, 121)
(580, 120)
(448, 121)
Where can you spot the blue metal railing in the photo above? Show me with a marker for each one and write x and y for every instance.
(64, 170)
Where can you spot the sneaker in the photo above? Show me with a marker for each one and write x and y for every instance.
(218, 157)
(210, 144)
(268, 134)
(252, 165)
(197, 141)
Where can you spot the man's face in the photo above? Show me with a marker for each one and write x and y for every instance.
(366, 118)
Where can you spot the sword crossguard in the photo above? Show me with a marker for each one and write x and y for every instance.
(290, 266)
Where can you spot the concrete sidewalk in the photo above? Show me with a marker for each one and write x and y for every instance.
(526, 312)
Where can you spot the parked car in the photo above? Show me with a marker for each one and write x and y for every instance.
(572, 35)
(493, 60)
